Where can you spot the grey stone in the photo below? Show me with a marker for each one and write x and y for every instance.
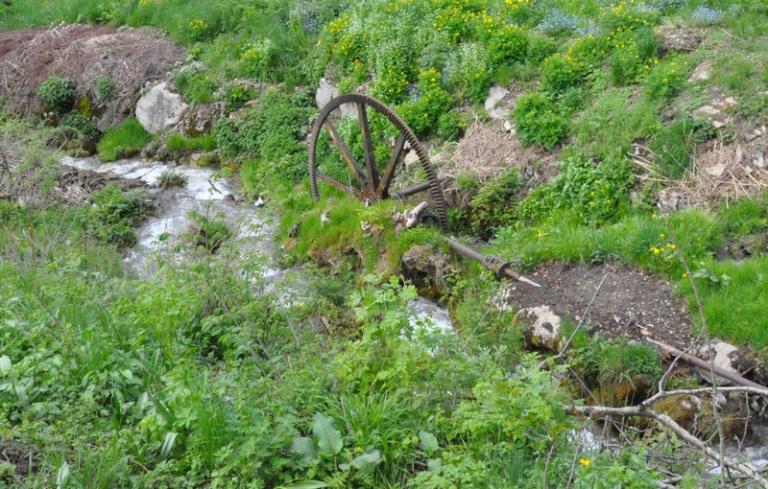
(493, 104)
(546, 331)
(160, 109)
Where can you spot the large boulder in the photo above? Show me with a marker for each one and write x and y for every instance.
(160, 109)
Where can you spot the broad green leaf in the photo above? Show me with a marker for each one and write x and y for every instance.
(303, 446)
(434, 464)
(5, 364)
(367, 461)
(328, 437)
(305, 485)
(428, 442)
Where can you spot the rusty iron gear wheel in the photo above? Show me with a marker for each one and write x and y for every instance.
(369, 184)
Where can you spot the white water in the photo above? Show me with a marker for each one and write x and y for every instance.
(212, 195)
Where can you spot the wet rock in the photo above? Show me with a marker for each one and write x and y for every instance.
(427, 268)
(199, 119)
(546, 331)
(160, 108)
(684, 409)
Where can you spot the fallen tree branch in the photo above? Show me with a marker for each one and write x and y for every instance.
(671, 424)
(735, 378)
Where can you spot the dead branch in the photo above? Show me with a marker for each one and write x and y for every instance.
(643, 410)
(730, 376)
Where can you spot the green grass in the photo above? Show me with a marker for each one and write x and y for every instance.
(179, 143)
(123, 141)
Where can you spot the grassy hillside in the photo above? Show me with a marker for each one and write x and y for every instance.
(634, 112)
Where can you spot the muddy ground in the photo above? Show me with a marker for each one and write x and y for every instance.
(630, 303)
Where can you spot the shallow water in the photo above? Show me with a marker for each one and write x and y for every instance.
(208, 193)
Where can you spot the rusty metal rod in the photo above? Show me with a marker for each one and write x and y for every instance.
(493, 263)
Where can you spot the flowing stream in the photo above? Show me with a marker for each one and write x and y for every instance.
(207, 193)
(211, 195)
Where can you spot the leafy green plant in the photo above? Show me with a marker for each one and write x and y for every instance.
(559, 72)
(433, 102)
(123, 141)
(104, 88)
(537, 121)
(666, 79)
(493, 206)
(57, 93)
(114, 214)
(507, 44)
(170, 178)
(236, 96)
(209, 232)
(595, 193)
(82, 124)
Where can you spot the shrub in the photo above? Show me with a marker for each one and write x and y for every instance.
(123, 141)
(82, 124)
(271, 132)
(57, 93)
(209, 233)
(236, 96)
(507, 44)
(114, 214)
(257, 58)
(538, 122)
(467, 73)
(594, 193)
(493, 206)
(633, 50)
(666, 79)
(540, 48)
(451, 125)
(103, 88)
(433, 102)
(588, 51)
(559, 72)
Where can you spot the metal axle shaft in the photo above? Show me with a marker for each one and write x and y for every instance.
(493, 263)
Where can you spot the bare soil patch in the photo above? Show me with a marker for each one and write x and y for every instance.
(131, 57)
(21, 456)
(630, 303)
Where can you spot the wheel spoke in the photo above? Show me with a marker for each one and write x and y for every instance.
(357, 172)
(337, 184)
(413, 190)
(370, 160)
(389, 172)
